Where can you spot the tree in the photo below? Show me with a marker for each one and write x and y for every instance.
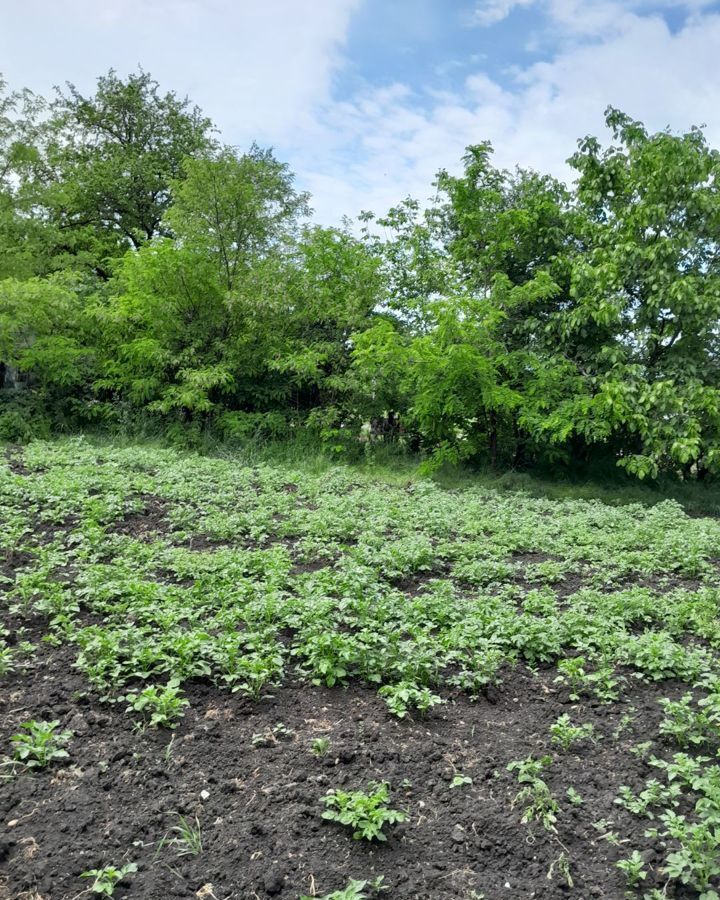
(332, 295)
(45, 336)
(111, 158)
(648, 283)
(198, 321)
(26, 238)
(414, 261)
(235, 209)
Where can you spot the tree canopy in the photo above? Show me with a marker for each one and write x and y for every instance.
(150, 274)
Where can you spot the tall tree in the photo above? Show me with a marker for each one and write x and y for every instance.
(113, 155)
(26, 239)
(235, 208)
(649, 279)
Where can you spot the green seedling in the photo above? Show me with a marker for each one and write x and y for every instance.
(642, 750)
(480, 672)
(573, 673)
(403, 697)
(7, 661)
(254, 671)
(40, 744)
(565, 734)
(697, 860)
(539, 805)
(105, 880)
(160, 705)
(366, 813)
(530, 768)
(654, 794)
(561, 866)
(633, 868)
(689, 725)
(355, 890)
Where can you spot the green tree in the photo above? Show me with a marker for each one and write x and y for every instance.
(241, 313)
(26, 239)
(46, 346)
(236, 209)
(334, 290)
(647, 285)
(111, 157)
(413, 259)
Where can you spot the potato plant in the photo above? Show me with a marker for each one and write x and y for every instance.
(365, 812)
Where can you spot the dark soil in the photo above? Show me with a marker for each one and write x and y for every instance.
(13, 455)
(263, 836)
(147, 522)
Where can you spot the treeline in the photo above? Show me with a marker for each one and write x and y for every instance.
(151, 275)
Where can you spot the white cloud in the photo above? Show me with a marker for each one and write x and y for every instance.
(385, 145)
(586, 17)
(490, 12)
(258, 67)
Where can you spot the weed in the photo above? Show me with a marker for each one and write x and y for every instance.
(271, 736)
(624, 723)
(459, 780)
(168, 751)
(186, 837)
(606, 833)
(320, 746)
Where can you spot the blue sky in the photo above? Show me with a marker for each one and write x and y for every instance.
(433, 43)
(367, 99)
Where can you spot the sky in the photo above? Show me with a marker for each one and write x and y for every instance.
(368, 99)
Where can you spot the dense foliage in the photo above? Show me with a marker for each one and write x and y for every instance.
(150, 275)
